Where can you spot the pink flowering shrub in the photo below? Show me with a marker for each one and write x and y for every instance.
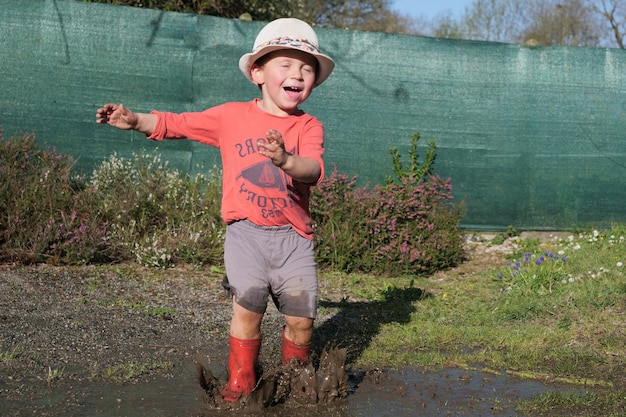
(338, 212)
(413, 227)
(77, 238)
(37, 191)
(407, 226)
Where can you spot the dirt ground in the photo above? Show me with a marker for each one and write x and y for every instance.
(69, 327)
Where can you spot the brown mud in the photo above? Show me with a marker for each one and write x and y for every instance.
(128, 341)
(302, 383)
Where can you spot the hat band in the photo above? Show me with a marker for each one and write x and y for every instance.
(302, 44)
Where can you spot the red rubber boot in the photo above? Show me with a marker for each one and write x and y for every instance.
(242, 357)
(292, 351)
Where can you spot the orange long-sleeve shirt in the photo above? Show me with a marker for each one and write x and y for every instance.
(253, 188)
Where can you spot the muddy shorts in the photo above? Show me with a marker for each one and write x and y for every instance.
(270, 261)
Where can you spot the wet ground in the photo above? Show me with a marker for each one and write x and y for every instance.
(70, 336)
(392, 393)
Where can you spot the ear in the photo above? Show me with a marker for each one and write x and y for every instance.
(258, 76)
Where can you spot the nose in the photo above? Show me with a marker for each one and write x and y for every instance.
(297, 73)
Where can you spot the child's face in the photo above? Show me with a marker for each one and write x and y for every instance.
(286, 78)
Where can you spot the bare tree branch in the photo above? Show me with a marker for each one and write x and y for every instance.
(611, 11)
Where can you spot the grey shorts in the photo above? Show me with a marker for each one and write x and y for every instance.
(270, 261)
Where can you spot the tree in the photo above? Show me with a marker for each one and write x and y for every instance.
(494, 20)
(446, 26)
(537, 22)
(570, 23)
(613, 12)
(372, 15)
(257, 9)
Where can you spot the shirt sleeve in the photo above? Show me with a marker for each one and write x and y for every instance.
(203, 127)
(312, 145)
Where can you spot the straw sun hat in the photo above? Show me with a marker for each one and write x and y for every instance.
(287, 33)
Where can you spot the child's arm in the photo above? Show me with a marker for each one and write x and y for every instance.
(301, 169)
(119, 116)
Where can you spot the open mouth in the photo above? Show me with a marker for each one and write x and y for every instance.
(293, 93)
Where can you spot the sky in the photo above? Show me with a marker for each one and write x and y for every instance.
(430, 8)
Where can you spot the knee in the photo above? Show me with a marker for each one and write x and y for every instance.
(298, 329)
(299, 324)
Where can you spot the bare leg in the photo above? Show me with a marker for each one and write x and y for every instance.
(296, 339)
(245, 324)
(299, 329)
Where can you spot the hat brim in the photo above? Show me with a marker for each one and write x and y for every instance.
(326, 64)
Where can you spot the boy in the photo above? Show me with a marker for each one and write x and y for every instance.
(271, 154)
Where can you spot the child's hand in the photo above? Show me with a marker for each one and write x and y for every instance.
(274, 148)
(116, 115)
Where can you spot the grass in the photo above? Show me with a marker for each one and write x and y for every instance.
(54, 374)
(129, 371)
(551, 312)
(140, 306)
(8, 355)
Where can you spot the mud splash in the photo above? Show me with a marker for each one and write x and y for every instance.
(294, 382)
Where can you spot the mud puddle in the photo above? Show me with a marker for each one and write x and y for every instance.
(374, 393)
(450, 392)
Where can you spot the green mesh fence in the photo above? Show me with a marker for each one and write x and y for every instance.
(532, 137)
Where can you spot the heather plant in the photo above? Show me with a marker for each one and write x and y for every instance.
(159, 217)
(40, 219)
(408, 226)
(338, 210)
(78, 237)
(413, 227)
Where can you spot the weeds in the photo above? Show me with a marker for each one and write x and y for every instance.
(414, 168)
(8, 355)
(129, 371)
(535, 273)
(54, 374)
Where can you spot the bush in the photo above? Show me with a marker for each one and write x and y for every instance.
(130, 209)
(395, 229)
(413, 228)
(41, 215)
(157, 216)
(139, 209)
(338, 216)
(406, 226)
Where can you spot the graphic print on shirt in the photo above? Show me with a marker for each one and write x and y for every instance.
(266, 176)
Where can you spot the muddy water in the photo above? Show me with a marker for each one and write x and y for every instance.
(445, 393)
(375, 393)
